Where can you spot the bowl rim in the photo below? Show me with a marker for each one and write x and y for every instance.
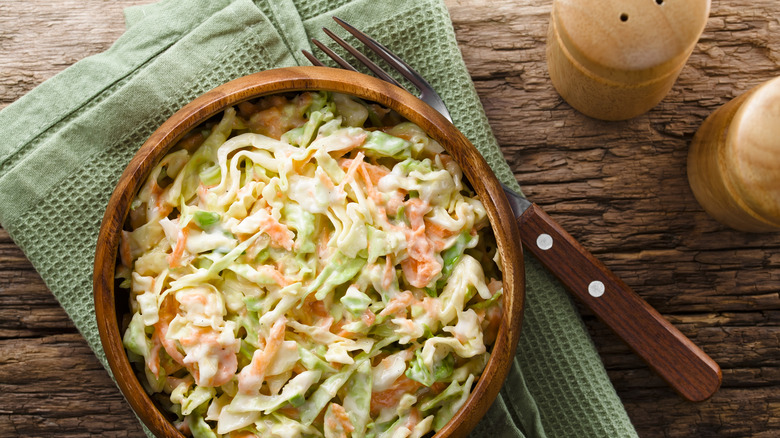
(299, 79)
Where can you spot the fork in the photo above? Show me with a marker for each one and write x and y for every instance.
(674, 357)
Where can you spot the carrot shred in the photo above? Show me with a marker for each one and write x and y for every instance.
(167, 312)
(251, 377)
(175, 257)
(341, 414)
(350, 174)
(398, 303)
(391, 396)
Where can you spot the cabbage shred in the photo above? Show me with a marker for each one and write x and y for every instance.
(296, 270)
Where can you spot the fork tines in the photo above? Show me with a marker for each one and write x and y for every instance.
(427, 93)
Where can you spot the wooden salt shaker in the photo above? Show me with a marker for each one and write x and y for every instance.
(616, 59)
(734, 161)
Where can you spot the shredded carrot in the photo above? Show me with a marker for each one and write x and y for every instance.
(390, 397)
(368, 317)
(268, 122)
(324, 251)
(298, 163)
(396, 199)
(387, 279)
(494, 285)
(175, 257)
(153, 362)
(421, 266)
(438, 387)
(434, 229)
(398, 303)
(338, 328)
(276, 115)
(415, 211)
(432, 306)
(326, 181)
(155, 193)
(169, 365)
(161, 209)
(493, 315)
(278, 277)
(168, 310)
(372, 193)
(420, 269)
(371, 173)
(332, 424)
(280, 235)
(227, 362)
(414, 418)
(341, 415)
(125, 254)
(251, 377)
(246, 109)
(350, 174)
(375, 173)
(202, 192)
(318, 308)
(312, 309)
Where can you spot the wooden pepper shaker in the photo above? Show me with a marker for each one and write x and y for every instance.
(734, 161)
(616, 59)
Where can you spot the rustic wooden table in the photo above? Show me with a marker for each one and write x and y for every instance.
(620, 188)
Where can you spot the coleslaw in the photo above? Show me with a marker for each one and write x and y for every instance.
(309, 265)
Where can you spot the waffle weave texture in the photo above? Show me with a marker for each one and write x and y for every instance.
(64, 145)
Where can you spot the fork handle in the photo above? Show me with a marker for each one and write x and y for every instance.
(683, 365)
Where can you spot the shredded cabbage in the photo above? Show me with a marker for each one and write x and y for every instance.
(310, 265)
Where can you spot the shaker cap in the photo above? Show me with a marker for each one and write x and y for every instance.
(630, 41)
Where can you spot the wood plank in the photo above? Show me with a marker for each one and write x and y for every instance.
(41, 38)
(731, 414)
(27, 307)
(54, 386)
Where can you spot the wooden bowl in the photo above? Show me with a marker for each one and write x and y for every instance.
(110, 302)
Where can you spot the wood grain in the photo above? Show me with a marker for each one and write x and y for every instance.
(619, 188)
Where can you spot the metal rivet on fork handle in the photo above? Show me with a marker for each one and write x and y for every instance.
(596, 288)
(544, 241)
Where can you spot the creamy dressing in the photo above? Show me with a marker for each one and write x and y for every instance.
(310, 276)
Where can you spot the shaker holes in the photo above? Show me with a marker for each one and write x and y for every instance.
(624, 17)
(659, 2)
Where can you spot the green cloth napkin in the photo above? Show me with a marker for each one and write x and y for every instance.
(65, 144)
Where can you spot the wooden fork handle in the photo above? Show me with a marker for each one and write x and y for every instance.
(683, 365)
